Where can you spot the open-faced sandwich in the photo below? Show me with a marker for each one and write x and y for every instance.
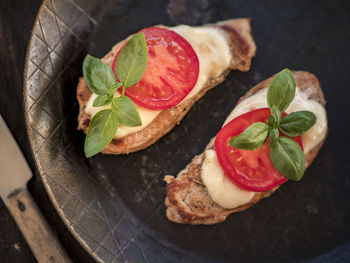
(272, 135)
(147, 83)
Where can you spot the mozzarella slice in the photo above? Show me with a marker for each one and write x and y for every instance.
(214, 57)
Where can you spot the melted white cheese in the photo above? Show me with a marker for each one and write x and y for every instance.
(224, 192)
(214, 57)
(221, 190)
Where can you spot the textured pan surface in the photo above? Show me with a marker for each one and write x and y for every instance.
(114, 204)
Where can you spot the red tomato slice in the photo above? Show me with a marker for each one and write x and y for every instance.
(171, 72)
(250, 170)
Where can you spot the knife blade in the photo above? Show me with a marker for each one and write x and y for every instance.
(14, 175)
(15, 172)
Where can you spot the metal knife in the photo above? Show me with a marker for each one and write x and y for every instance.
(14, 175)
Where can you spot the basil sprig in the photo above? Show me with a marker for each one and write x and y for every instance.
(100, 79)
(286, 155)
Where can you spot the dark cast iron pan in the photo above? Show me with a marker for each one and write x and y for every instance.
(114, 204)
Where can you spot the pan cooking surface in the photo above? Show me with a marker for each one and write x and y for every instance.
(114, 204)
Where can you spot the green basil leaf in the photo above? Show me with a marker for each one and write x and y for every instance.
(296, 123)
(288, 158)
(275, 117)
(126, 111)
(252, 138)
(281, 90)
(132, 61)
(98, 76)
(113, 88)
(274, 134)
(102, 129)
(102, 100)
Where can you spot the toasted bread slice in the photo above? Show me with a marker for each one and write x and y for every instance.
(242, 46)
(187, 198)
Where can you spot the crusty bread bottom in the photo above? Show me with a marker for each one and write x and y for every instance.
(187, 198)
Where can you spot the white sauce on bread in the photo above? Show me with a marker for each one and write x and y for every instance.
(223, 192)
(214, 57)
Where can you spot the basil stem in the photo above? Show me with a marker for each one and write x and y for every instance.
(113, 88)
(275, 117)
(274, 134)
